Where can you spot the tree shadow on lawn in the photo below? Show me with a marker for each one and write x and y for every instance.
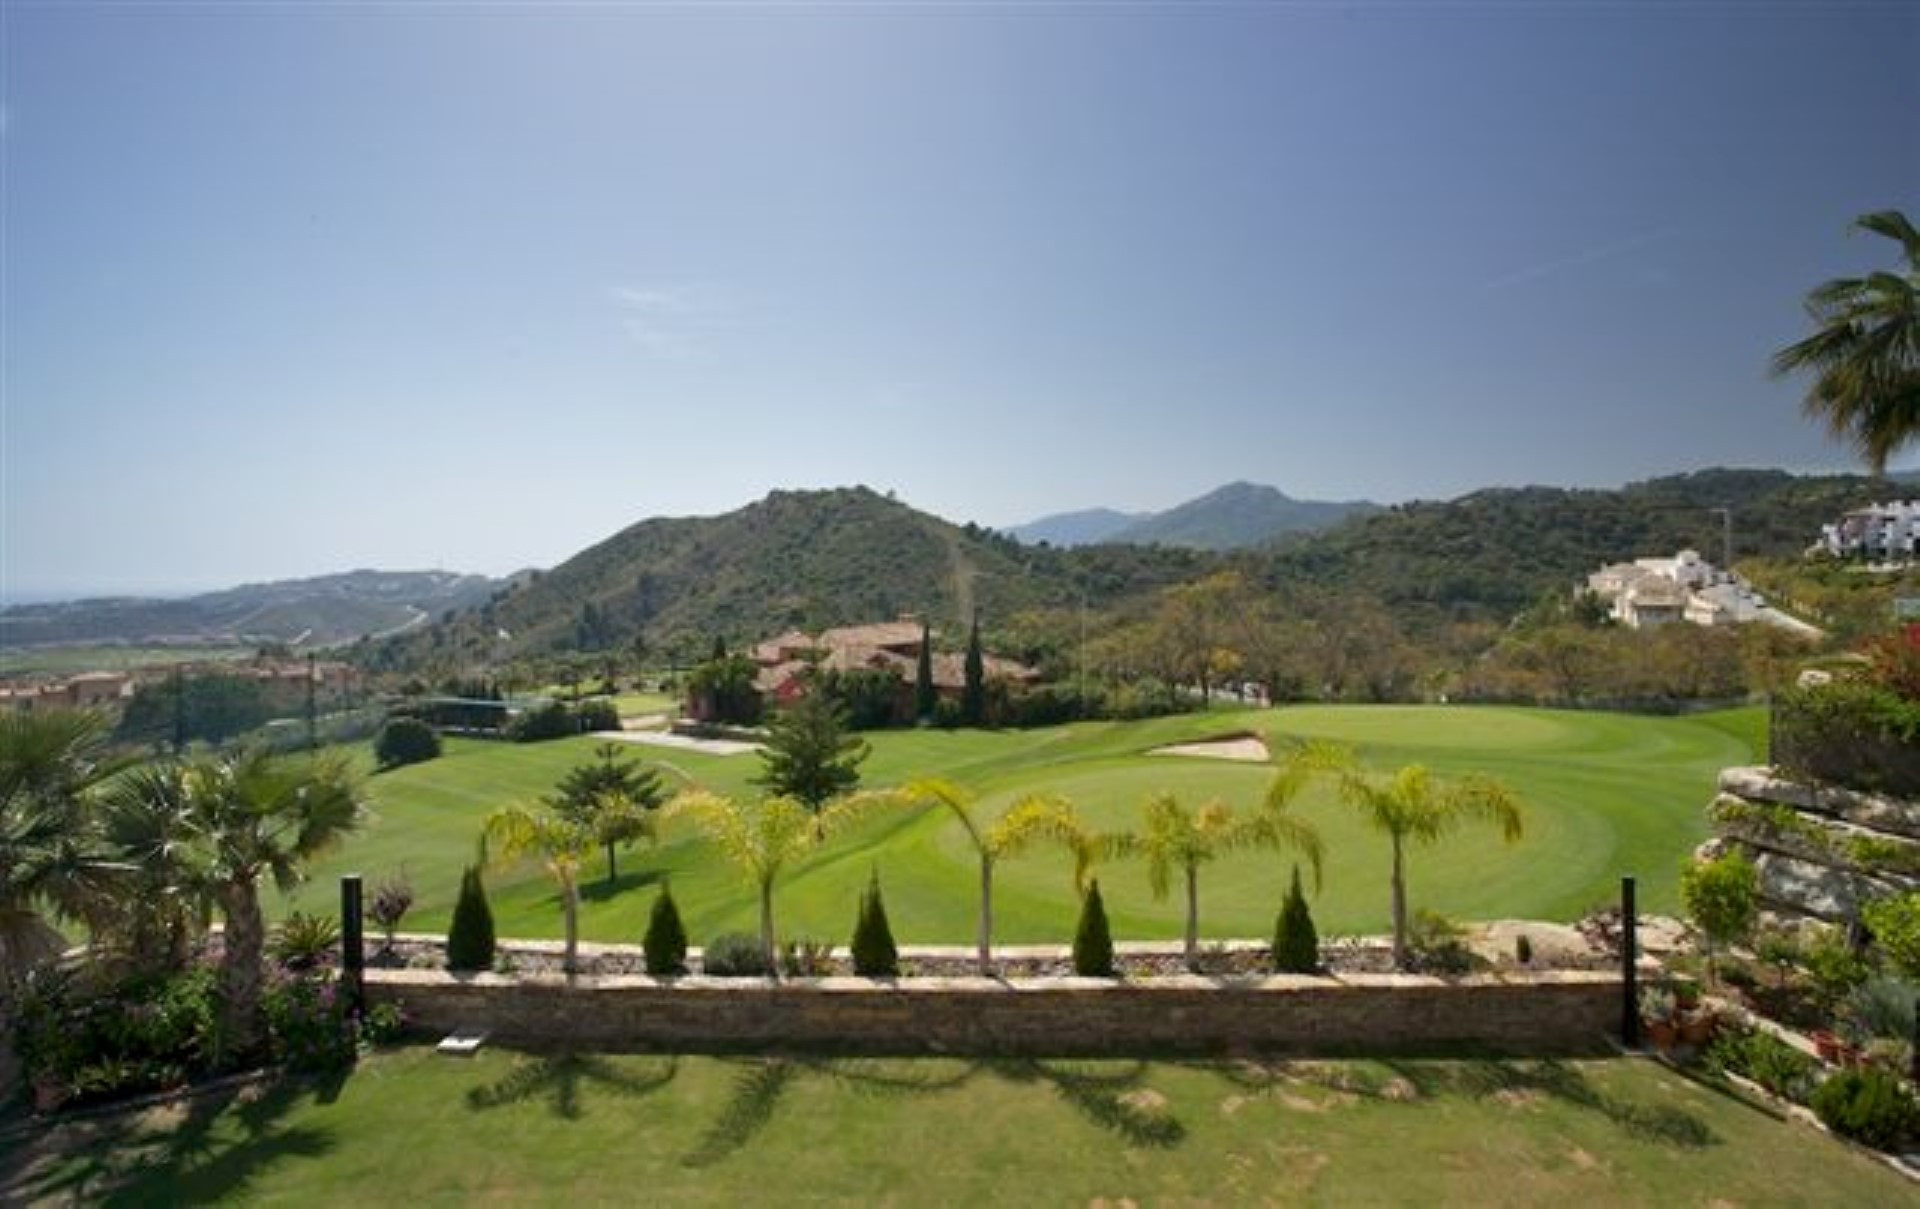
(1119, 1103)
(173, 1152)
(599, 890)
(559, 1079)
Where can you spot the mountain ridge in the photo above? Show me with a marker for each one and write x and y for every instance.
(1237, 515)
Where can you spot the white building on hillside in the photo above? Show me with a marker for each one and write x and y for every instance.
(1656, 591)
(1881, 533)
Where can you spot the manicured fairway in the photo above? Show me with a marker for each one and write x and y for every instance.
(1607, 794)
(412, 1128)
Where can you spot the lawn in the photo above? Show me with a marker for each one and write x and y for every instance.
(410, 1127)
(1606, 794)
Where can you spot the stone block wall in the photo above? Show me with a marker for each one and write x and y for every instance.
(1820, 852)
(1547, 1013)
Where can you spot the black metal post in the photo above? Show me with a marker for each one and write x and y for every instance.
(353, 946)
(1629, 968)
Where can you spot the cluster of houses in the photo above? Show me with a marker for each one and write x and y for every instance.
(891, 647)
(111, 690)
(1651, 592)
(1879, 533)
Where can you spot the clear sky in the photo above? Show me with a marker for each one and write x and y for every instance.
(292, 289)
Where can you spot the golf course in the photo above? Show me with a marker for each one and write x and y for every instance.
(1603, 794)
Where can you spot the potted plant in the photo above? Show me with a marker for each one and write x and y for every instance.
(1697, 1025)
(1657, 1007)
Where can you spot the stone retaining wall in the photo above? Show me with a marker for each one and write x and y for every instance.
(1547, 1013)
(1820, 851)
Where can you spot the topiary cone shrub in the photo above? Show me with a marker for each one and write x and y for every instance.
(1092, 939)
(666, 940)
(1296, 945)
(470, 941)
(874, 953)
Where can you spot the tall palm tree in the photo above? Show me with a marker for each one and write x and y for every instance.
(52, 861)
(257, 816)
(1031, 818)
(1178, 838)
(760, 840)
(1412, 806)
(1865, 357)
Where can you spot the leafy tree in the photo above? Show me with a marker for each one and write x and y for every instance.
(808, 754)
(1031, 818)
(1411, 807)
(470, 941)
(257, 816)
(665, 943)
(874, 953)
(1296, 944)
(1865, 357)
(213, 708)
(405, 741)
(924, 697)
(973, 689)
(761, 840)
(1176, 838)
(723, 690)
(52, 859)
(1723, 897)
(612, 798)
(1092, 939)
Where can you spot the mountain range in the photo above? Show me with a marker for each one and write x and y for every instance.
(1232, 517)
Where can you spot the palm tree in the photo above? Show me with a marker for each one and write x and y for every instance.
(1034, 817)
(52, 861)
(147, 821)
(761, 840)
(256, 816)
(1413, 807)
(1177, 838)
(1865, 357)
(563, 844)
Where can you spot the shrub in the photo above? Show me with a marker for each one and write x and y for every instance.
(391, 902)
(874, 953)
(1850, 732)
(1438, 945)
(1092, 939)
(550, 721)
(1895, 924)
(1523, 949)
(303, 941)
(1884, 1007)
(597, 715)
(805, 958)
(470, 941)
(405, 741)
(1834, 968)
(1723, 897)
(308, 1025)
(1868, 1106)
(1296, 944)
(665, 943)
(735, 955)
(1765, 1059)
(82, 1036)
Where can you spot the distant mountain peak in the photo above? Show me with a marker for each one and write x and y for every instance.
(1231, 516)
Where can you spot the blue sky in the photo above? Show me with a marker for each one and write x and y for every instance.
(293, 289)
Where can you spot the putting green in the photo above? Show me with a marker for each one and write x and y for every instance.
(1605, 794)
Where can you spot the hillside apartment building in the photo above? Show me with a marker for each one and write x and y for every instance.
(1685, 588)
(1878, 533)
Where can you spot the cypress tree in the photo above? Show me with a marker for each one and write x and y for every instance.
(666, 939)
(1092, 940)
(973, 694)
(1296, 945)
(470, 938)
(874, 953)
(923, 695)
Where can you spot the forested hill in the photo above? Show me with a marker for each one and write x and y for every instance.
(1491, 554)
(796, 559)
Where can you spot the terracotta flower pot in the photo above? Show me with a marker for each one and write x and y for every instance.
(1697, 1028)
(1827, 1045)
(1659, 1033)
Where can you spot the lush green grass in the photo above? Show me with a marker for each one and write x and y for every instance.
(1607, 794)
(413, 1128)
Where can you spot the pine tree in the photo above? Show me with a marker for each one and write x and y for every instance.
(973, 694)
(923, 695)
(809, 756)
(874, 953)
(1296, 945)
(666, 940)
(1092, 940)
(470, 941)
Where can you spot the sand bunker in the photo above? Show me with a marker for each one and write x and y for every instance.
(1246, 747)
